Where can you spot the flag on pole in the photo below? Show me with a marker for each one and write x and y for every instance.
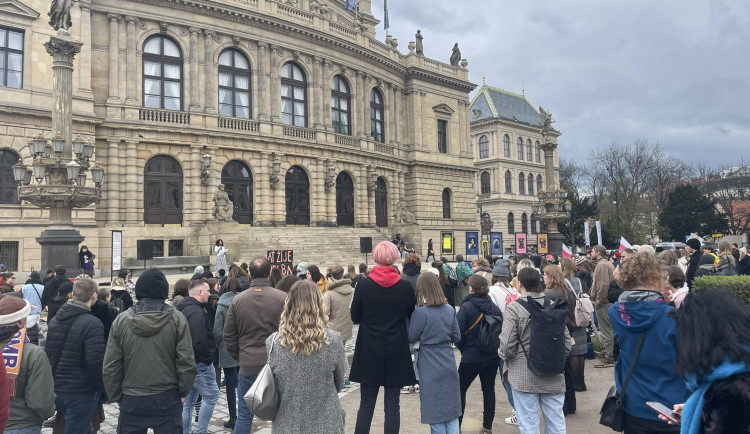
(566, 252)
(624, 244)
(350, 5)
(599, 231)
(586, 233)
(386, 23)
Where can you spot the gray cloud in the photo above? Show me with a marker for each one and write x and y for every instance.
(670, 71)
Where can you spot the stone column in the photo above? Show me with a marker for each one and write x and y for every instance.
(402, 189)
(279, 196)
(262, 81)
(463, 135)
(325, 107)
(356, 109)
(132, 75)
(63, 50)
(262, 193)
(193, 81)
(396, 113)
(390, 113)
(84, 71)
(114, 53)
(275, 85)
(132, 201)
(370, 200)
(209, 68)
(317, 101)
(113, 181)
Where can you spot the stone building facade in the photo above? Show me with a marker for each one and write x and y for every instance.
(506, 142)
(315, 127)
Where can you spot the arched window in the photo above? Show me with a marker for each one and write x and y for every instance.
(162, 74)
(376, 116)
(538, 152)
(511, 224)
(524, 223)
(506, 146)
(533, 224)
(8, 186)
(234, 84)
(484, 147)
(539, 183)
(446, 203)
(340, 105)
(531, 184)
(519, 145)
(293, 95)
(528, 150)
(508, 182)
(238, 183)
(521, 184)
(484, 181)
(162, 191)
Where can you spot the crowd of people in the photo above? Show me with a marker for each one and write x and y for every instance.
(524, 323)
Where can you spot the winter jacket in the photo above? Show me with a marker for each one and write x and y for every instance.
(86, 259)
(726, 261)
(201, 330)
(106, 314)
(600, 282)
(743, 266)
(360, 277)
(149, 352)
(35, 389)
(225, 359)
(253, 315)
(411, 274)
(614, 292)
(473, 306)
(654, 377)
(485, 272)
(51, 289)
(79, 358)
(692, 267)
(336, 303)
(124, 295)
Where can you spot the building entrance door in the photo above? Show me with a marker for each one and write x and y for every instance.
(297, 197)
(381, 204)
(344, 200)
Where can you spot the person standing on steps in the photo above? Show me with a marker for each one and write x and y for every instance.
(86, 261)
(221, 256)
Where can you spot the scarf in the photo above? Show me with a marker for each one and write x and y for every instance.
(385, 276)
(12, 355)
(692, 414)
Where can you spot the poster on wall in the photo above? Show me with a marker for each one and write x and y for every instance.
(116, 252)
(446, 243)
(542, 245)
(521, 243)
(496, 243)
(472, 246)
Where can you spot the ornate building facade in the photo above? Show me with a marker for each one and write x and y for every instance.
(507, 145)
(315, 128)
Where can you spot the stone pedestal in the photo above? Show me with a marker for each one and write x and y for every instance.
(60, 247)
(555, 242)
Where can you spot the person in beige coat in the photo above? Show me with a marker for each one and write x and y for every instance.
(336, 305)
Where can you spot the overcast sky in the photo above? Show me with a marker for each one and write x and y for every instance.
(672, 71)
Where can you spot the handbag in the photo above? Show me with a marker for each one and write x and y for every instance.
(584, 307)
(263, 396)
(611, 412)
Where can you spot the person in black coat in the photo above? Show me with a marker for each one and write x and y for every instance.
(103, 310)
(381, 306)
(52, 287)
(694, 248)
(65, 293)
(75, 348)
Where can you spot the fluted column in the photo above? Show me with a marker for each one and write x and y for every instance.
(326, 95)
(275, 85)
(113, 181)
(391, 115)
(193, 82)
(262, 208)
(318, 91)
(263, 91)
(356, 110)
(114, 53)
(370, 201)
(131, 179)
(279, 196)
(462, 127)
(209, 68)
(84, 70)
(396, 113)
(131, 82)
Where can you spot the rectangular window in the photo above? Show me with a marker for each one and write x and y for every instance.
(175, 248)
(158, 248)
(442, 132)
(11, 58)
(9, 254)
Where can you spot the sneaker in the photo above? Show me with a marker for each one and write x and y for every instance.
(605, 364)
(416, 388)
(512, 419)
(486, 431)
(230, 423)
(405, 389)
(347, 384)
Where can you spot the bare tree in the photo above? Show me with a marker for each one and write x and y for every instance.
(730, 188)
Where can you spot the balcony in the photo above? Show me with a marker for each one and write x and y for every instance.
(300, 133)
(164, 116)
(239, 124)
(343, 140)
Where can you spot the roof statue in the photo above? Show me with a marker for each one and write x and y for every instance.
(547, 124)
(59, 14)
(456, 56)
(420, 47)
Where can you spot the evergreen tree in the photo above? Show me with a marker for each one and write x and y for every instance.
(689, 211)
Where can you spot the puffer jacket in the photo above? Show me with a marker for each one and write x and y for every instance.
(201, 330)
(51, 289)
(80, 356)
(336, 303)
(149, 351)
(225, 359)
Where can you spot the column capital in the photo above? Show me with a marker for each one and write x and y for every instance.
(132, 20)
(318, 59)
(194, 31)
(274, 48)
(85, 5)
(262, 45)
(210, 34)
(113, 17)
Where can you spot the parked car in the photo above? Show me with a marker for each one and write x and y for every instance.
(670, 245)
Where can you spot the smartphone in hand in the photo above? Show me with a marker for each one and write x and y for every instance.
(664, 411)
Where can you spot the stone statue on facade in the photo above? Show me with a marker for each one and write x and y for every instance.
(403, 215)
(456, 56)
(547, 123)
(420, 47)
(487, 224)
(59, 14)
(223, 207)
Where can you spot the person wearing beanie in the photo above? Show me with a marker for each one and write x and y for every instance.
(149, 365)
(302, 270)
(693, 248)
(75, 348)
(32, 394)
(381, 306)
(463, 271)
(52, 287)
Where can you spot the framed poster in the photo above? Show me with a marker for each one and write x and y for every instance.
(542, 245)
(496, 243)
(472, 245)
(446, 243)
(521, 243)
(116, 252)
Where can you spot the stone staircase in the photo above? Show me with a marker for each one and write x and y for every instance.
(323, 246)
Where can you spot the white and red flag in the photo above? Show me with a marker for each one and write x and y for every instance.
(624, 244)
(566, 252)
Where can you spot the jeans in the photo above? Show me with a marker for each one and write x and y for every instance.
(368, 396)
(244, 416)
(230, 375)
(26, 430)
(605, 329)
(527, 411)
(79, 409)
(161, 412)
(506, 386)
(450, 427)
(205, 386)
(487, 372)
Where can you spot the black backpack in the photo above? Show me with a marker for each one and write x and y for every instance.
(489, 333)
(118, 303)
(546, 354)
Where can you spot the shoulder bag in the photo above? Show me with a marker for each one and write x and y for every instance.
(584, 307)
(611, 412)
(263, 396)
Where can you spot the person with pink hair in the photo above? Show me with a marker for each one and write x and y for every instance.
(381, 306)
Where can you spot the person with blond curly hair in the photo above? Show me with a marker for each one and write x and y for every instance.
(309, 365)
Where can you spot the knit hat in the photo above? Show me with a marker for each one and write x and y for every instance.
(694, 243)
(706, 260)
(152, 284)
(13, 309)
(581, 260)
(65, 288)
(501, 269)
(434, 271)
(244, 282)
(463, 271)
(302, 267)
